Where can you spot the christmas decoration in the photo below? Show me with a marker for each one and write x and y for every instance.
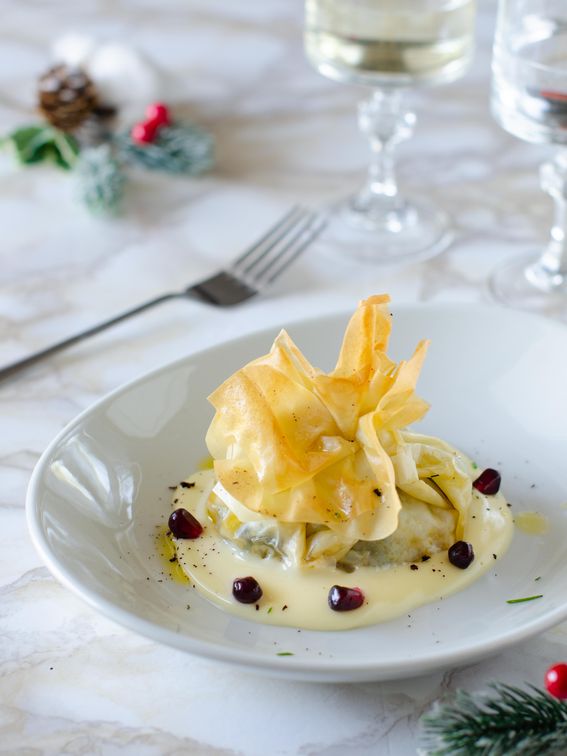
(144, 133)
(556, 680)
(67, 97)
(508, 722)
(157, 116)
(158, 113)
(179, 148)
(35, 144)
(101, 179)
(124, 77)
(79, 134)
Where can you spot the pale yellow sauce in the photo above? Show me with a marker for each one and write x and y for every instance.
(206, 463)
(212, 564)
(168, 555)
(532, 523)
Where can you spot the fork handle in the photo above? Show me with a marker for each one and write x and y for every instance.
(15, 367)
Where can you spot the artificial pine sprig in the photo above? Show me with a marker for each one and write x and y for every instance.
(510, 722)
(155, 144)
(101, 179)
(176, 148)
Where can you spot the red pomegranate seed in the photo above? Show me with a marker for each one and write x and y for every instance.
(488, 482)
(461, 554)
(183, 525)
(342, 599)
(247, 590)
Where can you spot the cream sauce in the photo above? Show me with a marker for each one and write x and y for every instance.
(297, 597)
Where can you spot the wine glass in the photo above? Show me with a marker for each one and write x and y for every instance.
(529, 99)
(390, 46)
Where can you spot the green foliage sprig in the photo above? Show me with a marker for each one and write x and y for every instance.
(101, 170)
(178, 148)
(39, 143)
(508, 722)
(101, 179)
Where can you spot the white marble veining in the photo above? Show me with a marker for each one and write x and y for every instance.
(70, 681)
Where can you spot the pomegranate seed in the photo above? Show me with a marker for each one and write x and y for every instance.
(183, 525)
(246, 590)
(461, 554)
(342, 599)
(158, 113)
(488, 482)
(556, 680)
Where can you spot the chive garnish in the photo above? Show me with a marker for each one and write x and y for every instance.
(537, 578)
(284, 653)
(521, 600)
(269, 610)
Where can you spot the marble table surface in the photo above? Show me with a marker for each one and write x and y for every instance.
(70, 680)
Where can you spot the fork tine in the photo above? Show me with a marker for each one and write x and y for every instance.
(316, 229)
(264, 260)
(305, 231)
(243, 264)
(273, 234)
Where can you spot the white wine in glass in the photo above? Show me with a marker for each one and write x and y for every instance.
(390, 43)
(390, 46)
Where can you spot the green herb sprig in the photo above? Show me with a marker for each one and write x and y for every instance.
(523, 600)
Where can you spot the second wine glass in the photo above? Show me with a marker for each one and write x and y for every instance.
(529, 100)
(391, 46)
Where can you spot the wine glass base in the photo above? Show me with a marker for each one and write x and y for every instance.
(412, 232)
(522, 283)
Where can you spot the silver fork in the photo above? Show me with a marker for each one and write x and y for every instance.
(247, 276)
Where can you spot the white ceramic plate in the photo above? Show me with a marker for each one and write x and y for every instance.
(497, 382)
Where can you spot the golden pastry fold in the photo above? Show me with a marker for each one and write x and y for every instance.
(293, 443)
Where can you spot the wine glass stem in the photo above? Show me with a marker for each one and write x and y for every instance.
(555, 255)
(386, 121)
(381, 173)
(551, 269)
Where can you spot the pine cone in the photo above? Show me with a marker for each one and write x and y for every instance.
(67, 97)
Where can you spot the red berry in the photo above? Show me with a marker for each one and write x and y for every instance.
(183, 525)
(556, 680)
(342, 599)
(247, 590)
(158, 113)
(461, 554)
(488, 482)
(144, 133)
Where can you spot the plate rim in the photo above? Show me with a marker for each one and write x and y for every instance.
(319, 669)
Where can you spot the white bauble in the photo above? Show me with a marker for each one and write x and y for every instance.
(124, 77)
(74, 49)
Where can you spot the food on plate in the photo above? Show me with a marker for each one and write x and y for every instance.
(322, 509)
